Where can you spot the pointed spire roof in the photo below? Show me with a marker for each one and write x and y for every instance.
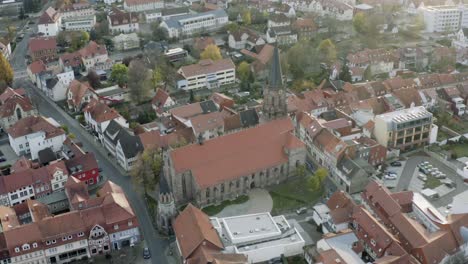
(275, 78)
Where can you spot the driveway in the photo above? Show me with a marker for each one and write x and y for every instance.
(259, 202)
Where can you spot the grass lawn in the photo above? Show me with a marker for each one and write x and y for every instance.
(432, 182)
(460, 150)
(215, 209)
(293, 194)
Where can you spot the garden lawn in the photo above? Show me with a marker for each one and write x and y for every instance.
(293, 194)
(460, 150)
(432, 182)
(215, 209)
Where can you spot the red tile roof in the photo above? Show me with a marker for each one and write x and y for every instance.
(49, 16)
(40, 44)
(32, 124)
(92, 49)
(193, 229)
(78, 91)
(100, 112)
(235, 155)
(37, 67)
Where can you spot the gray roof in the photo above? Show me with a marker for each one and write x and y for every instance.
(112, 129)
(208, 106)
(174, 22)
(50, 83)
(46, 155)
(131, 144)
(249, 118)
(174, 11)
(275, 77)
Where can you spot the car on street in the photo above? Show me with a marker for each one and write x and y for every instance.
(301, 210)
(395, 164)
(146, 253)
(2, 159)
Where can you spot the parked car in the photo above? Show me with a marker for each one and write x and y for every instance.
(2, 159)
(390, 177)
(301, 210)
(277, 260)
(422, 177)
(146, 253)
(396, 164)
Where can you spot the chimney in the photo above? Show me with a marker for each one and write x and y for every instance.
(200, 139)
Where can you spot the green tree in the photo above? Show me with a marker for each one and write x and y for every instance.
(301, 59)
(191, 97)
(157, 77)
(360, 23)
(301, 85)
(159, 33)
(211, 52)
(321, 174)
(119, 74)
(314, 183)
(139, 81)
(79, 40)
(146, 171)
(6, 72)
(246, 17)
(21, 13)
(327, 51)
(301, 170)
(367, 75)
(345, 74)
(61, 40)
(243, 71)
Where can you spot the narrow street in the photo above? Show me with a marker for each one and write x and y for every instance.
(111, 170)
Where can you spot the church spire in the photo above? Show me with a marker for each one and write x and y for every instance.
(275, 78)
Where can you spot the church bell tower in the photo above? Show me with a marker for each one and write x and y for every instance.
(274, 93)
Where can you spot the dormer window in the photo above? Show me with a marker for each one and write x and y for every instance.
(34, 245)
(17, 249)
(26, 247)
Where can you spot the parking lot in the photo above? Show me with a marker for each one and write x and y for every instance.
(408, 179)
(7, 155)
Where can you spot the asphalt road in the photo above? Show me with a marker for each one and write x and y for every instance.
(47, 108)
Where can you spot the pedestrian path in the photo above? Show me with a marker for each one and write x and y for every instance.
(259, 202)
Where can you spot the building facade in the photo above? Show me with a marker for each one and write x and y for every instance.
(207, 74)
(445, 18)
(188, 25)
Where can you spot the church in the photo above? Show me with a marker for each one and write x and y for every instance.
(228, 166)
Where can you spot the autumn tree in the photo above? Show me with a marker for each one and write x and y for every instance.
(327, 51)
(315, 182)
(139, 81)
(119, 74)
(243, 71)
(246, 17)
(157, 77)
(147, 169)
(6, 72)
(211, 52)
(321, 174)
(79, 40)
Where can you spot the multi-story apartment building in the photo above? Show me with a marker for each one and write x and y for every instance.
(49, 22)
(207, 74)
(142, 5)
(404, 129)
(95, 57)
(122, 22)
(78, 16)
(445, 18)
(34, 133)
(187, 25)
(43, 48)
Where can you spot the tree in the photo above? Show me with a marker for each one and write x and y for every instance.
(21, 13)
(61, 40)
(102, 29)
(301, 170)
(79, 40)
(246, 17)
(314, 183)
(159, 33)
(360, 23)
(93, 79)
(321, 174)
(243, 71)
(147, 168)
(367, 75)
(345, 74)
(6, 72)
(191, 97)
(211, 52)
(119, 74)
(157, 77)
(301, 85)
(139, 81)
(327, 51)
(301, 59)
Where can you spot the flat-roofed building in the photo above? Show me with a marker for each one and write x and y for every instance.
(404, 129)
(187, 25)
(206, 74)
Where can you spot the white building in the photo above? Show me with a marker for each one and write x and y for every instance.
(56, 88)
(98, 116)
(122, 22)
(187, 25)
(126, 41)
(260, 237)
(34, 133)
(78, 16)
(95, 57)
(446, 18)
(340, 10)
(49, 22)
(207, 73)
(142, 5)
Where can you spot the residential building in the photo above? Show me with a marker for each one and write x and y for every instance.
(236, 155)
(14, 105)
(188, 25)
(404, 129)
(162, 101)
(72, 62)
(95, 57)
(127, 149)
(335, 215)
(84, 167)
(43, 48)
(267, 236)
(126, 41)
(261, 56)
(49, 22)
(285, 9)
(57, 86)
(379, 60)
(205, 245)
(78, 17)
(142, 5)
(283, 35)
(460, 44)
(206, 74)
(278, 20)
(337, 9)
(98, 116)
(34, 133)
(445, 18)
(305, 28)
(122, 22)
(78, 95)
(244, 38)
(112, 94)
(35, 69)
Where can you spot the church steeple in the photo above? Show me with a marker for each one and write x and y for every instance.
(275, 78)
(274, 94)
